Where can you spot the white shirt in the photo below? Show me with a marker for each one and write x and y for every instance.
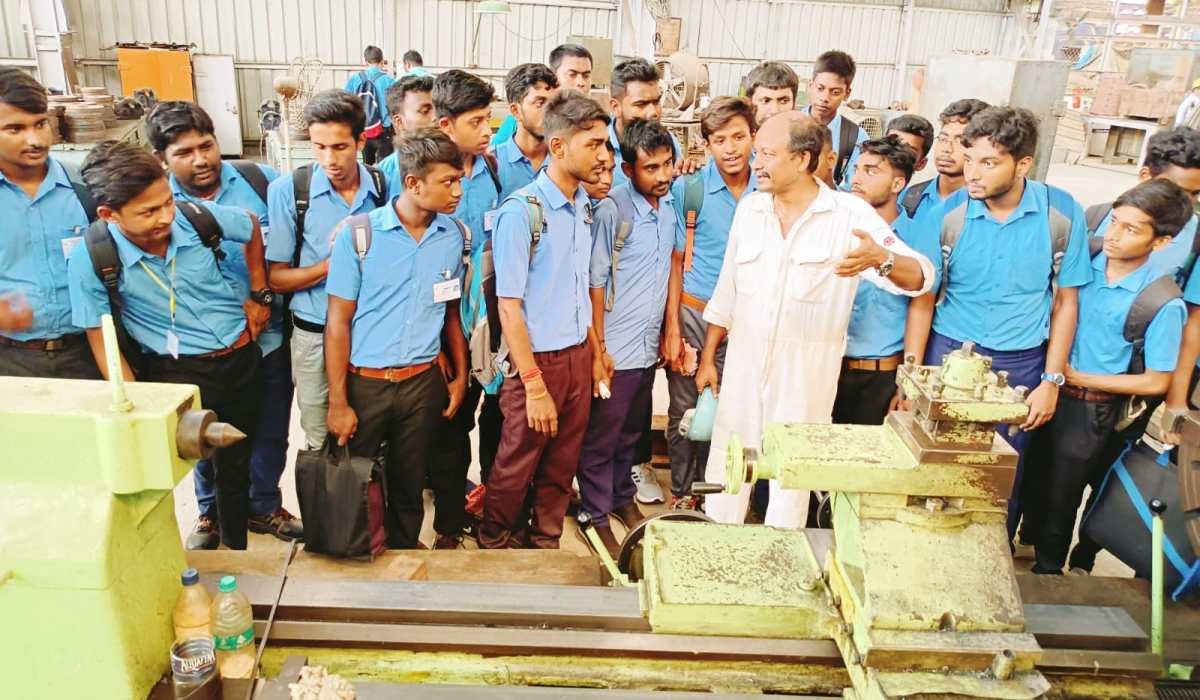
(1187, 108)
(787, 314)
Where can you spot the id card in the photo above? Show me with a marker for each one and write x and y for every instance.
(172, 344)
(68, 244)
(447, 291)
(489, 220)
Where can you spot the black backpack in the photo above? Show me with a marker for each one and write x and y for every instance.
(253, 175)
(106, 262)
(912, 197)
(369, 94)
(847, 137)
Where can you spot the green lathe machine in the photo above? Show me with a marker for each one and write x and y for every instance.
(89, 549)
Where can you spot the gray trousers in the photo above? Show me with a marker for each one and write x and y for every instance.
(312, 384)
(687, 458)
(72, 362)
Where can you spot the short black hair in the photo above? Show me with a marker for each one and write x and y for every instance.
(563, 50)
(418, 150)
(457, 92)
(336, 106)
(1179, 147)
(772, 75)
(525, 77)
(116, 172)
(394, 97)
(898, 154)
(570, 111)
(170, 120)
(645, 136)
(19, 89)
(915, 125)
(1012, 128)
(373, 54)
(413, 58)
(962, 110)
(634, 70)
(839, 63)
(1166, 203)
(807, 136)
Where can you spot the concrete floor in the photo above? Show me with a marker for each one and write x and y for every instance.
(1090, 183)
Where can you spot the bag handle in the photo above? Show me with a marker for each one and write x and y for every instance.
(331, 449)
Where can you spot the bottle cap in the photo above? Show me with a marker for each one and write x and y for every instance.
(190, 577)
(228, 584)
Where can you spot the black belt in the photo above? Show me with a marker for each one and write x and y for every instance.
(47, 345)
(306, 325)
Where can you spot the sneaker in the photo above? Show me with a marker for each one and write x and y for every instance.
(648, 490)
(281, 524)
(447, 542)
(205, 535)
(685, 503)
(1023, 551)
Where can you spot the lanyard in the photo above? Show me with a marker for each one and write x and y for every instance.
(170, 291)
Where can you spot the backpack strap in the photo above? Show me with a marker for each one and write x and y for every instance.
(693, 201)
(493, 168)
(847, 139)
(537, 218)
(1095, 245)
(106, 263)
(253, 175)
(912, 197)
(81, 192)
(623, 200)
(1060, 213)
(301, 180)
(1095, 215)
(360, 228)
(381, 187)
(205, 224)
(466, 234)
(952, 227)
(1142, 311)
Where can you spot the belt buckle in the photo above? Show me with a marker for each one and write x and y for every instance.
(391, 374)
(55, 345)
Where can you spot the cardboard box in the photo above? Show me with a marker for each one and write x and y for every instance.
(1109, 91)
(1143, 102)
(667, 31)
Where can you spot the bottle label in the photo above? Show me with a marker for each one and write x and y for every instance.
(235, 641)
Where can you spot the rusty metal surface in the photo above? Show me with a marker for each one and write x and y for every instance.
(1189, 477)
(1104, 627)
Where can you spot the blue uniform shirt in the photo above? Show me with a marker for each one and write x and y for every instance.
(235, 191)
(515, 168)
(1171, 259)
(208, 309)
(36, 237)
(397, 322)
(390, 167)
(508, 127)
(326, 209)
(479, 197)
(1191, 294)
(382, 82)
(998, 293)
(928, 215)
(835, 130)
(712, 228)
(619, 176)
(554, 285)
(877, 319)
(1100, 346)
(632, 328)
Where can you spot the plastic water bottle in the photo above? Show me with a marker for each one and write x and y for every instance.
(192, 609)
(233, 631)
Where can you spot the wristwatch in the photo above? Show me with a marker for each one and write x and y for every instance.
(885, 268)
(1057, 378)
(263, 297)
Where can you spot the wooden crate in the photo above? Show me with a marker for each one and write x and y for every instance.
(1144, 102)
(1109, 91)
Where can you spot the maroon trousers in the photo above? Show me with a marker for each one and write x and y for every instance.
(528, 460)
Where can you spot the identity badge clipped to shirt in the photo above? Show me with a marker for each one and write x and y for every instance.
(172, 344)
(69, 243)
(489, 220)
(449, 289)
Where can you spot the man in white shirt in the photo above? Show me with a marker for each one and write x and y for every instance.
(1188, 108)
(797, 250)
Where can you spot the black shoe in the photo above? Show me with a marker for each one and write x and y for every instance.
(205, 535)
(281, 523)
(447, 542)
